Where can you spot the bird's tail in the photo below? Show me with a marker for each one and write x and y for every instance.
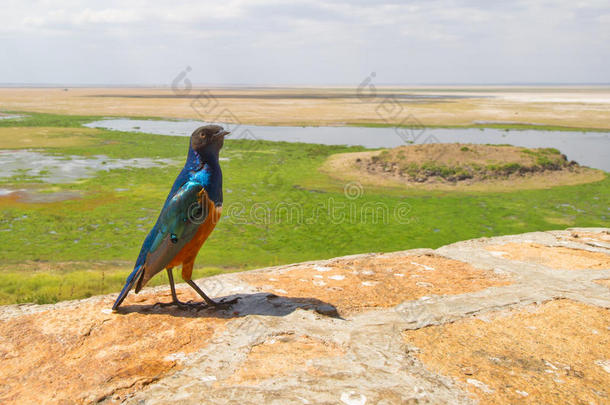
(131, 280)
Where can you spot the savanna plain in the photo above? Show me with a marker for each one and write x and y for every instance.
(65, 235)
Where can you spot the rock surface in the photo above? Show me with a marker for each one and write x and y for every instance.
(513, 319)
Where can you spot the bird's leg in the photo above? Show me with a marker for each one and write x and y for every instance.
(170, 275)
(175, 300)
(208, 300)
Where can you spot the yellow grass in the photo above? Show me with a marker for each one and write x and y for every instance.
(42, 137)
(561, 106)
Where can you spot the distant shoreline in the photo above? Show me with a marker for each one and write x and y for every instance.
(565, 108)
(521, 126)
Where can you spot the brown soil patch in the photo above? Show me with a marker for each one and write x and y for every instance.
(353, 285)
(281, 356)
(83, 355)
(460, 166)
(557, 257)
(558, 353)
(42, 137)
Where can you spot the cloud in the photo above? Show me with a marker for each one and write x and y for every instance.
(333, 41)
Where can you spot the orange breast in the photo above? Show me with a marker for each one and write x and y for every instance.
(190, 250)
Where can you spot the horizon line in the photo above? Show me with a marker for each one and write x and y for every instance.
(250, 85)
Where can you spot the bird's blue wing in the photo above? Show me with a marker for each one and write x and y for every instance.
(177, 224)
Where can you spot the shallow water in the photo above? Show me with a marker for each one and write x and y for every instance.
(587, 148)
(10, 117)
(65, 169)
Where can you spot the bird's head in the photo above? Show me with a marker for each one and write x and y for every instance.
(208, 140)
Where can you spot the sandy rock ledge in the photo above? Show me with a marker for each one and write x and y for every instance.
(513, 319)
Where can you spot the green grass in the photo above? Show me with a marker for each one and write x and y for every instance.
(45, 287)
(31, 119)
(278, 209)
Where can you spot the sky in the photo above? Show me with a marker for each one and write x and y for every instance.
(318, 42)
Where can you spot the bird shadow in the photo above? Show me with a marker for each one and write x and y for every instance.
(247, 304)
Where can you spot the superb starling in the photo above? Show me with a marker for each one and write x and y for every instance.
(189, 215)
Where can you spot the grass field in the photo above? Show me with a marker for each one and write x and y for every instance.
(279, 208)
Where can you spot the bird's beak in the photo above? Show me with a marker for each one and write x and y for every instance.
(222, 133)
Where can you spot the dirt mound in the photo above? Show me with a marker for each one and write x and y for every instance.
(457, 162)
(462, 164)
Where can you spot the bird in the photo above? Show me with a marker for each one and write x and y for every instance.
(189, 215)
